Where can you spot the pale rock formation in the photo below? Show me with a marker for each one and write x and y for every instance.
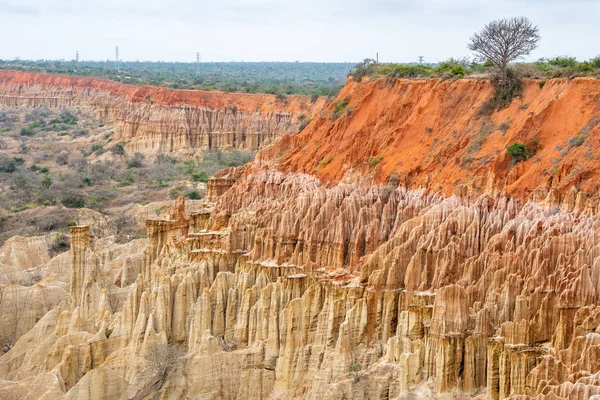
(154, 121)
(289, 289)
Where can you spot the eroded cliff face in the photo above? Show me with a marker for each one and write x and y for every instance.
(433, 134)
(155, 120)
(282, 286)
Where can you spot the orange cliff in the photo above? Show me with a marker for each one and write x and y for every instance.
(428, 133)
(155, 120)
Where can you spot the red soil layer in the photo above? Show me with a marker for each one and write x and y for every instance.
(428, 134)
(211, 99)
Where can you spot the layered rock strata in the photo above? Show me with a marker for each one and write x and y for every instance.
(158, 120)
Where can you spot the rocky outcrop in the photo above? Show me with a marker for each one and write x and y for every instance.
(153, 120)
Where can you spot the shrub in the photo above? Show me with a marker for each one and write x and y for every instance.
(504, 126)
(7, 164)
(118, 149)
(175, 192)
(46, 181)
(304, 123)
(576, 141)
(136, 161)
(193, 195)
(339, 107)
(410, 71)
(27, 132)
(53, 221)
(563, 62)
(73, 200)
(362, 69)
(200, 177)
(128, 179)
(97, 148)
(354, 367)
(518, 152)
(326, 161)
(486, 128)
(98, 199)
(59, 244)
(78, 162)
(504, 93)
(281, 98)
(80, 133)
(67, 118)
(374, 160)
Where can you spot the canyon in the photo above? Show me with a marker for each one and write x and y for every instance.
(153, 120)
(393, 250)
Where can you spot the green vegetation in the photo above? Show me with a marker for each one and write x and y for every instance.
(285, 78)
(118, 149)
(520, 152)
(27, 132)
(374, 160)
(576, 141)
(486, 128)
(504, 93)
(354, 367)
(41, 170)
(326, 161)
(579, 139)
(9, 165)
(193, 195)
(199, 176)
(136, 161)
(80, 183)
(459, 68)
(340, 108)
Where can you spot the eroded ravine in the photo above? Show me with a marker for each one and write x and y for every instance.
(154, 120)
(284, 287)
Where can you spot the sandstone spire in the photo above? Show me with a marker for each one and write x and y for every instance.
(80, 242)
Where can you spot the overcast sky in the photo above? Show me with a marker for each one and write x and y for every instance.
(283, 30)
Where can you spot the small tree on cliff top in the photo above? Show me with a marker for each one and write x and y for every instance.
(505, 40)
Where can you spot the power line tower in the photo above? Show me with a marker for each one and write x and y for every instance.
(197, 64)
(421, 59)
(117, 56)
(77, 56)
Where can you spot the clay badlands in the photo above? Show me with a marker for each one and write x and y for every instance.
(393, 252)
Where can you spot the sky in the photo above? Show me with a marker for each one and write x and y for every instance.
(282, 30)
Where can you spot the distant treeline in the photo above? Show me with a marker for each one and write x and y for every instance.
(306, 78)
(544, 68)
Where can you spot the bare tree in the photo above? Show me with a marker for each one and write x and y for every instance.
(505, 40)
